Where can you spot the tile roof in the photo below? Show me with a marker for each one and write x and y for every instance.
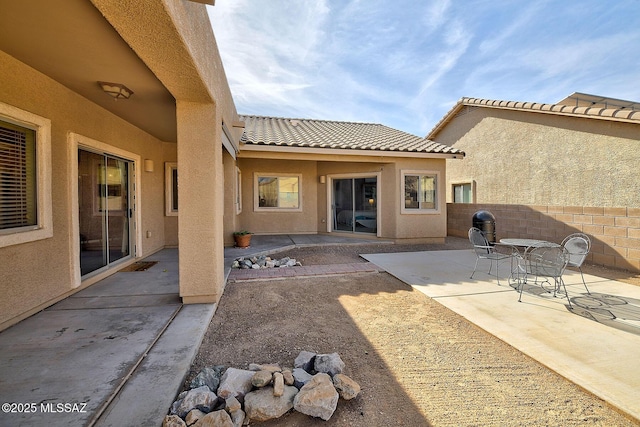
(595, 110)
(283, 132)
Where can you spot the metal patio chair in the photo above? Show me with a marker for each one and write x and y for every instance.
(545, 263)
(578, 245)
(484, 250)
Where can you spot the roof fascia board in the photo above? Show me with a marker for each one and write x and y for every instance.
(445, 120)
(552, 109)
(345, 152)
(227, 141)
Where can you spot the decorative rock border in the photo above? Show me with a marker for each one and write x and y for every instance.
(221, 396)
(263, 261)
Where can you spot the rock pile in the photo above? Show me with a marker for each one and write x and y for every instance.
(231, 397)
(263, 261)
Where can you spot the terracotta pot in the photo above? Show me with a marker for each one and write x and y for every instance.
(242, 240)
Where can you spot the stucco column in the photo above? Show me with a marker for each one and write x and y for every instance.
(200, 203)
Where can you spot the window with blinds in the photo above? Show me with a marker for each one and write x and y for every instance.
(18, 180)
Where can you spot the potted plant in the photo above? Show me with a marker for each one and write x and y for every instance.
(242, 238)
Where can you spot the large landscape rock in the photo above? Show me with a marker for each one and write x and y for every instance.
(263, 392)
(346, 387)
(173, 421)
(278, 384)
(235, 382)
(194, 416)
(304, 361)
(237, 417)
(328, 363)
(318, 398)
(198, 398)
(215, 419)
(261, 378)
(209, 377)
(301, 377)
(262, 405)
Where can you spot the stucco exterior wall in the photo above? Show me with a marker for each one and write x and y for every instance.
(280, 222)
(424, 226)
(37, 273)
(542, 159)
(315, 214)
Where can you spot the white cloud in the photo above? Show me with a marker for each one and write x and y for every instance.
(435, 15)
(508, 33)
(404, 64)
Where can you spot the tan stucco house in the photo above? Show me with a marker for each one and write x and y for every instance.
(546, 170)
(103, 103)
(82, 173)
(316, 176)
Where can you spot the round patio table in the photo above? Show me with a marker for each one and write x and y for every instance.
(527, 243)
(519, 275)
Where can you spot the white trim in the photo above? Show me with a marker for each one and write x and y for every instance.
(256, 201)
(42, 126)
(439, 192)
(227, 141)
(330, 178)
(347, 152)
(169, 167)
(238, 191)
(76, 142)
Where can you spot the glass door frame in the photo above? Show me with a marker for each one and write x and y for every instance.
(80, 142)
(330, 208)
(107, 173)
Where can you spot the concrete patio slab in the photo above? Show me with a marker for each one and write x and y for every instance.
(586, 345)
(116, 353)
(142, 400)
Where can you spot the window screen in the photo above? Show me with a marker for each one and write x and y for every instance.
(17, 177)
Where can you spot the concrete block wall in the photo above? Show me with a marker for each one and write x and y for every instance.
(614, 231)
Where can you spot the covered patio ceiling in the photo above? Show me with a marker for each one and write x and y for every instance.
(71, 42)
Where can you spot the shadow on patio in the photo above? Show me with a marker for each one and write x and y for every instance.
(598, 356)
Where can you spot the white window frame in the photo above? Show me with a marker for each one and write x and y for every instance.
(238, 201)
(438, 195)
(464, 182)
(44, 207)
(169, 196)
(379, 197)
(256, 192)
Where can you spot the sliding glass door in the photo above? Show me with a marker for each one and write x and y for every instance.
(354, 202)
(104, 209)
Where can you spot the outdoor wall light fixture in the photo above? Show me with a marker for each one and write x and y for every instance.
(148, 165)
(116, 90)
(323, 179)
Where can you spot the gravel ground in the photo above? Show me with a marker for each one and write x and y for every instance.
(418, 363)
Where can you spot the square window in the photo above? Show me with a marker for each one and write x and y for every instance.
(277, 192)
(18, 189)
(25, 177)
(420, 193)
(462, 193)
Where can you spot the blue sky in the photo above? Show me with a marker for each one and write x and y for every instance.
(405, 63)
